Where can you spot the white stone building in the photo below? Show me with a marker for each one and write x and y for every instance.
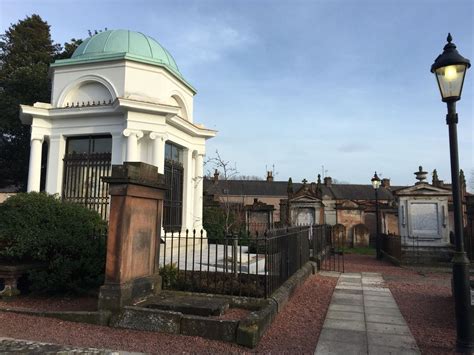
(120, 97)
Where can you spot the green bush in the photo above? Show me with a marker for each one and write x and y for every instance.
(68, 238)
(169, 274)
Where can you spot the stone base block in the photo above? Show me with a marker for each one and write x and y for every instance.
(113, 297)
(153, 320)
(209, 328)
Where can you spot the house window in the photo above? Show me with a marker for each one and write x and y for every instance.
(173, 203)
(87, 160)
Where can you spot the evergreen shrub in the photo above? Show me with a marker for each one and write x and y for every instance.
(68, 238)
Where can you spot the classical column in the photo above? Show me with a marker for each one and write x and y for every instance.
(158, 150)
(198, 177)
(188, 190)
(34, 171)
(54, 172)
(132, 144)
(117, 148)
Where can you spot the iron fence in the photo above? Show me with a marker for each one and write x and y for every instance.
(392, 246)
(328, 249)
(243, 264)
(82, 180)
(468, 238)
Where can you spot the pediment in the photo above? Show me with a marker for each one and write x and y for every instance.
(349, 204)
(305, 198)
(423, 189)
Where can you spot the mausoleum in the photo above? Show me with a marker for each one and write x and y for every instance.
(119, 98)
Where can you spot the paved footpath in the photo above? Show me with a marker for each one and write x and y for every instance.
(363, 318)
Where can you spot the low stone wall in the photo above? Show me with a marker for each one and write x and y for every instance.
(5, 195)
(246, 332)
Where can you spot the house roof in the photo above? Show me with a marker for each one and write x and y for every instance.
(247, 187)
(359, 192)
(279, 189)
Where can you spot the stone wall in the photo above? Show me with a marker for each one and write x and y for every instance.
(5, 195)
(349, 218)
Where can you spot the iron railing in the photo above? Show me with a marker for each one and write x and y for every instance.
(173, 202)
(392, 245)
(83, 182)
(244, 264)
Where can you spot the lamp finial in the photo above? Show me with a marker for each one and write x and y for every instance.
(450, 38)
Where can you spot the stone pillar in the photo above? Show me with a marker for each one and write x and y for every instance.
(198, 181)
(54, 172)
(188, 190)
(34, 171)
(132, 144)
(117, 148)
(133, 242)
(158, 150)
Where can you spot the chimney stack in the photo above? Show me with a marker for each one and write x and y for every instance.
(386, 183)
(216, 176)
(328, 181)
(269, 176)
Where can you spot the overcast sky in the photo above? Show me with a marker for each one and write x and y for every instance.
(343, 84)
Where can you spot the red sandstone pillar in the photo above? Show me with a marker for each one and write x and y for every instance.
(133, 242)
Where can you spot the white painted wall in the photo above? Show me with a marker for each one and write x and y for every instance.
(141, 118)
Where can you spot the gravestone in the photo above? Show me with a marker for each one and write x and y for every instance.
(339, 236)
(361, 235)
(133, 242)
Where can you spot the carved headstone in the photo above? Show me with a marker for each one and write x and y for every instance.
(339, 236)
(361, 235)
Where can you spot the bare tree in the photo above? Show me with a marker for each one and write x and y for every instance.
(227, 171)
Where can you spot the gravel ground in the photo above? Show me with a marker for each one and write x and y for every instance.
(51, 303)
(424, 298)
(295, 329)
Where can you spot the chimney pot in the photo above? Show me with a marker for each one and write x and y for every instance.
(269, 176)
(386, 183)
(216, 176)
(328, 181)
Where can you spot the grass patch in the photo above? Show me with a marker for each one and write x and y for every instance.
(360, 251)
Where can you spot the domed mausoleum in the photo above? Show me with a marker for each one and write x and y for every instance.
(120, 97)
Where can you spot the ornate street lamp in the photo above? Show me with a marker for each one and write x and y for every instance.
(450, 69)
(376, 184)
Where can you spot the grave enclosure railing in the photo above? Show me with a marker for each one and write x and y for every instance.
(243, 263)
(392, 246)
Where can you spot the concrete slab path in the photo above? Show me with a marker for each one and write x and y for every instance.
(363, 318)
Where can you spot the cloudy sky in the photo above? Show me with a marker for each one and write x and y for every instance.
(339, 85)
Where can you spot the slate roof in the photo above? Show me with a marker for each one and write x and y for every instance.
(358, 192)
(248, 187)
(279, 189)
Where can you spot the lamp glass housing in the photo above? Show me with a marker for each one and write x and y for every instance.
(375, 182)
(450, 81)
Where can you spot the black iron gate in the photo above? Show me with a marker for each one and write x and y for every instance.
(326, 249)
(82, 182)
(173, 203)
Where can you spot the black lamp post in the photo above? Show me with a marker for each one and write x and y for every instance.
(376, 184)
(450, 69)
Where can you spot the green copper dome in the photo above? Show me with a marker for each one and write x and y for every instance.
(124, 41)
(122, 44)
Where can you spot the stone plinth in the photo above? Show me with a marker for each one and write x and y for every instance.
(11, 272)
(133, 242)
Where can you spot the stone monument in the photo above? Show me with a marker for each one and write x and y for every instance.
(133, 242)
